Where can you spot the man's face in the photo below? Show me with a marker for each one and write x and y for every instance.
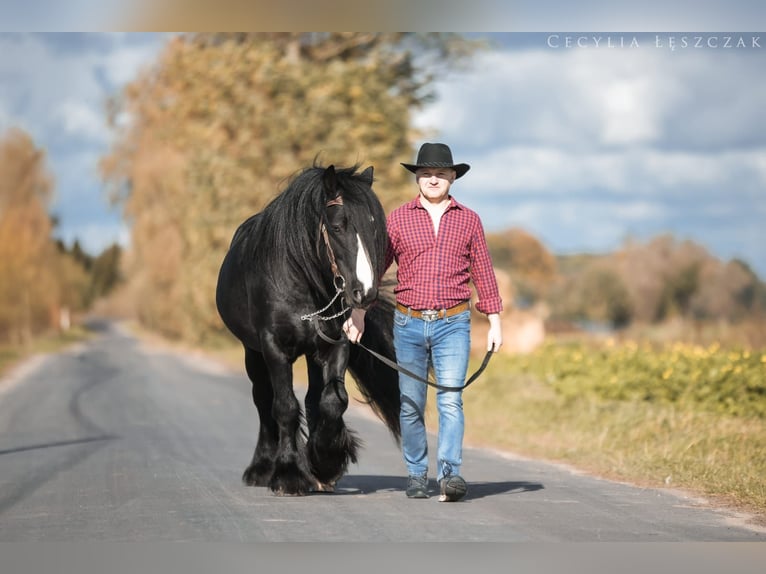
(435, 182)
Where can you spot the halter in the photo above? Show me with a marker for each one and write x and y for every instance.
(337, 280)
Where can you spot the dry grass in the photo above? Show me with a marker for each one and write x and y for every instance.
(11, 355)
(655, 444)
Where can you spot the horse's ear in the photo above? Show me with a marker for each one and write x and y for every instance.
(330, 182)
(367, 175)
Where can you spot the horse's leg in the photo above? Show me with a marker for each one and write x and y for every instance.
(314, 393)
(291, 474)
(331, 445)
(260, 469)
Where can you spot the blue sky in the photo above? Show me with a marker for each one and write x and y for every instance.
(583, 146)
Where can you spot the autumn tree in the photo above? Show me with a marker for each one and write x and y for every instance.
(211, 133)
(597, 294)
(531, 267)
(658, 280)
(27, 255)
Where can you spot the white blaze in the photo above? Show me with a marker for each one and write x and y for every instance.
(363, 266)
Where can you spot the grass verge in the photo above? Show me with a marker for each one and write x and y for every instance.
(563, 403)
(11, 355)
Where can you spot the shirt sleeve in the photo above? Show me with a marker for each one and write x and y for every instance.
(483, 274)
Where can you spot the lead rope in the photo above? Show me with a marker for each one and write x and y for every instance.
(388, 362)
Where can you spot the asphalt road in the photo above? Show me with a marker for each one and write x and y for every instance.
(116, 441)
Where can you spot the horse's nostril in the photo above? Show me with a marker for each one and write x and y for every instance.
(357, 296)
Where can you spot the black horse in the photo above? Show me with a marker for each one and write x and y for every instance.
(285, 287)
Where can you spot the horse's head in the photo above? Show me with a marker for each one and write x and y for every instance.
(355, 233)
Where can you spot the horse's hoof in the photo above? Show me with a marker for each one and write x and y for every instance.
(324, 487)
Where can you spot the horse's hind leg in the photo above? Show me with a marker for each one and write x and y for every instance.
(262, 466)
(331, 445)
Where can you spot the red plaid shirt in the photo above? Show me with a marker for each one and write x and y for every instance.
(434, 271)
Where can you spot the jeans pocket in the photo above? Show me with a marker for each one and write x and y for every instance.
(401, 319)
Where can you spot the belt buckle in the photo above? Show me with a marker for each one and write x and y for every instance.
(429, 314)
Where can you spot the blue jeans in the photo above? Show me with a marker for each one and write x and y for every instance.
(447, 344)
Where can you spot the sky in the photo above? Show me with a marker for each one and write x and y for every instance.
(55, 87)
(583, 139)
(588, 145)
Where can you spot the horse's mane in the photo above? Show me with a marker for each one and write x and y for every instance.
(288, 240)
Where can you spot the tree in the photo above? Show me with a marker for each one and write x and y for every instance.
(27, 254)
(659, 280)
(105, 272)
(531, 266)
(222, 120)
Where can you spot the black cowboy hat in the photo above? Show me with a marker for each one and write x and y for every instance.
(437, 155)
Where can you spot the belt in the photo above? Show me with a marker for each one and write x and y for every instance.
(433, 314)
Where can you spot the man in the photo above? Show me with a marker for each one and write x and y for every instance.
(439, 245)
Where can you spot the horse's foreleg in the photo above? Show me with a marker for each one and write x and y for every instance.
(313, 394)
(331, 445)
(261, 467)
(291, 474)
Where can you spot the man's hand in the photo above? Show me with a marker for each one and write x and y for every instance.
(495, 335)
(354, 325)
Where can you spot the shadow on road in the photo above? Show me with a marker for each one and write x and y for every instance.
(366, 484)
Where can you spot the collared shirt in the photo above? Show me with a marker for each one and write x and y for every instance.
(434, 270)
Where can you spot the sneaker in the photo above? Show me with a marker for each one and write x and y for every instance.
(417, 486)
(452, 488)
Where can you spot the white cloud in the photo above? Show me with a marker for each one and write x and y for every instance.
(123, 64)
(81, 119)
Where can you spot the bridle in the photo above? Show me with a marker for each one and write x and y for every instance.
(338, 281)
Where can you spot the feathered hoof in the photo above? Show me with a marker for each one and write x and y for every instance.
(289, 480)
(324, 487)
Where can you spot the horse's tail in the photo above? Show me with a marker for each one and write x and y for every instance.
(377, 382)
